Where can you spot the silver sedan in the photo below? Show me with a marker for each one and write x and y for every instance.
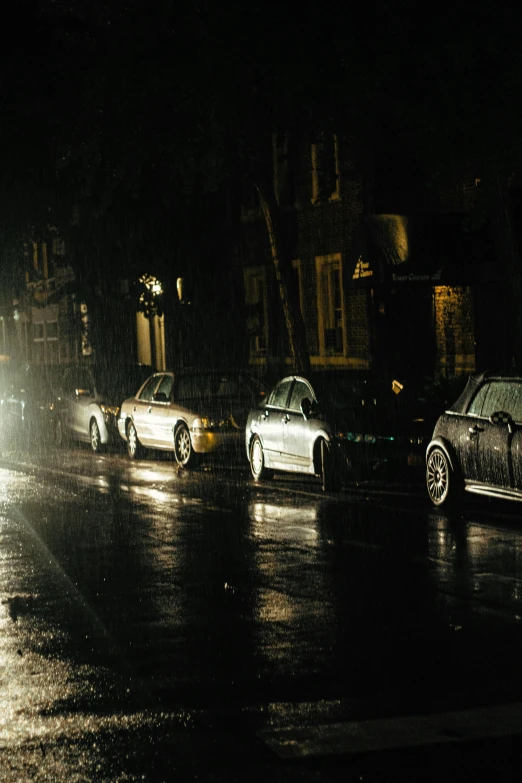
(189, 413)
(288, 433)
(328, 425)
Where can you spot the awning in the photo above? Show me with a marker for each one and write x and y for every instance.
(415, 249)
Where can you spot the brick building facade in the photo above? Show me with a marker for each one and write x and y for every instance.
(404, 295)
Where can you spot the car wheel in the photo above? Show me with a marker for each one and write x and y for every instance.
(94, 431)
(134, 447)
(329, 471)
(440, 479)
(183, 449)
(257, 461)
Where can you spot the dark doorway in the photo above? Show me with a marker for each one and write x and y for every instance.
(405, 341)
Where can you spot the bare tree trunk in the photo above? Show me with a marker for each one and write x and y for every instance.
(286, 281)
(508, 255)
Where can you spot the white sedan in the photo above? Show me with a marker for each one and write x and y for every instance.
(189, 412)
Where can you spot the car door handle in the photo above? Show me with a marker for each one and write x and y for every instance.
(149, 409)
(475, 430)
(286, 418)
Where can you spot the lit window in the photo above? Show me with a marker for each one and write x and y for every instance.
(330, 305)
(45, 342)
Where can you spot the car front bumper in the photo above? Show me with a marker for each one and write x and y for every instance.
(209, 441)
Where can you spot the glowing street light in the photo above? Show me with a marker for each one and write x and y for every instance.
(152, 286)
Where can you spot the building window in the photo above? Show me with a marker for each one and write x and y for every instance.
(256, 302)
(283, 170)
(45, 342)
(325, 168)
(330, 305)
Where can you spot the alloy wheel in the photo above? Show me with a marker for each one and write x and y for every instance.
(257, 458)
(95, 437)
(183, 446)
(437, 477)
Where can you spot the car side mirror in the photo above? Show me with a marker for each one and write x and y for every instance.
(500, 417)
(160, 397)
(306, 407)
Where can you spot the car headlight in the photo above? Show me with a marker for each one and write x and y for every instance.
(356, 437)
(110, 410)
(353, 437)
(204, 423)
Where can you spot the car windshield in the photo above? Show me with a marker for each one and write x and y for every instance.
(341, 392)
(215, 386)
(363, 402)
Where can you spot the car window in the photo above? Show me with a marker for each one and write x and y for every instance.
(516, 411)
(147, 392)
(477, 403)
(497, 396)
(508, 398)
(189, 387)
(81, 381)
(300, 390)
(165, 386)
(230, 386)
(279, 395)
(209, 386)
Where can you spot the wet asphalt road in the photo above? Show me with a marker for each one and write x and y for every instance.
(155, 622)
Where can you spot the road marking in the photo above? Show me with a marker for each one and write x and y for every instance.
(391, 733)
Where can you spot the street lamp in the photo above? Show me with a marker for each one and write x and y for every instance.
(152, 290)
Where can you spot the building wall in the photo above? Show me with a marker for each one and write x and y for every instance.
(454, 330)
(418, 326)
(314, 229)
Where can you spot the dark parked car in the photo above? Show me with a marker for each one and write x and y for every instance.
(327, 425)
(26, 404)
(89, 400)
(189, 412)
(477, 443)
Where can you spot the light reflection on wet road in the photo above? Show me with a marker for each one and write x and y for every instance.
(132, 588)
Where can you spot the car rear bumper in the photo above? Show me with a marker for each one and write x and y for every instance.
(372, 458)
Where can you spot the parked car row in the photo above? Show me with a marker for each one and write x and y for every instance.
(325, 425)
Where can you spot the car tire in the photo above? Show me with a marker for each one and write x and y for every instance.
(184, 452)
(441, 482)
(95, 437)
(329, 472)
(257, 461)
(134, 447)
